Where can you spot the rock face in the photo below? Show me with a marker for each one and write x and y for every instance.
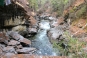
(17, 18)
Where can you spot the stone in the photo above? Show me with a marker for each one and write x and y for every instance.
(9, 49)
(9, 55)
(2, 45)
(23, 33)
(19, 28)
(25, 50)
(15, 35)
(4, 38)
(32, 30)
(1, 52)
(51, 18)
(33, 21)
(19, 46)
(25, 41)
(13, 43)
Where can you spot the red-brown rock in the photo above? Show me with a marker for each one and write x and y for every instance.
(4, 38)
(25, 41)
(1, 52)
(15, 35)
(25, 50)
(19, 46)
(9, 49)
(13, 42)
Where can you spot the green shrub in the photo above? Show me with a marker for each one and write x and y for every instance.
(73, 47)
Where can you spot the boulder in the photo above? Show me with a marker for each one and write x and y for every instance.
(23, 33)
(9, 49)
(1, 52)
(51, 18)
(4, 38)
(2, 45)
(15, 35)
(25, 50)
(13, 43)
(19, 46)
(25, 41)
(9, 55)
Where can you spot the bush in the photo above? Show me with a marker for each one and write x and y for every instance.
(71, 47)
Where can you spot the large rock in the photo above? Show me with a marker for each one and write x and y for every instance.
(15, 35)
(1, 52)
(19, 28)
(24, 33)
(13, 43)
(19, 46)
(25, 50)
(56, 33)
(9, 55)
(20, 38)
(9, 49)
(2, 45)
(4, 38)
(25, 41)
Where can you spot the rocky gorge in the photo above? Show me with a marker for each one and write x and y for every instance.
(29, 33)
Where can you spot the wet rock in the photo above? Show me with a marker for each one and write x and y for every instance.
(25, 50)
(54, 33)
(25, 42)
(13, 43)
(32, 30)
(51, 18)
(9, 49)
(4, 38)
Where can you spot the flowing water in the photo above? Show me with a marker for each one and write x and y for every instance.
(41, 41)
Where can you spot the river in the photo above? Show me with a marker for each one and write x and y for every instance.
(41, 41)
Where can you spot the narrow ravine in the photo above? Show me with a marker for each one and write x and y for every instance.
(41, 41)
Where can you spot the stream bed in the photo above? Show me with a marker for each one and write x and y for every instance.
(41, 41)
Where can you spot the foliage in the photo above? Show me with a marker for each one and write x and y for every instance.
(33, 4)
(58, 6)
(73, 47)
(81, 12)
(36, 4)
